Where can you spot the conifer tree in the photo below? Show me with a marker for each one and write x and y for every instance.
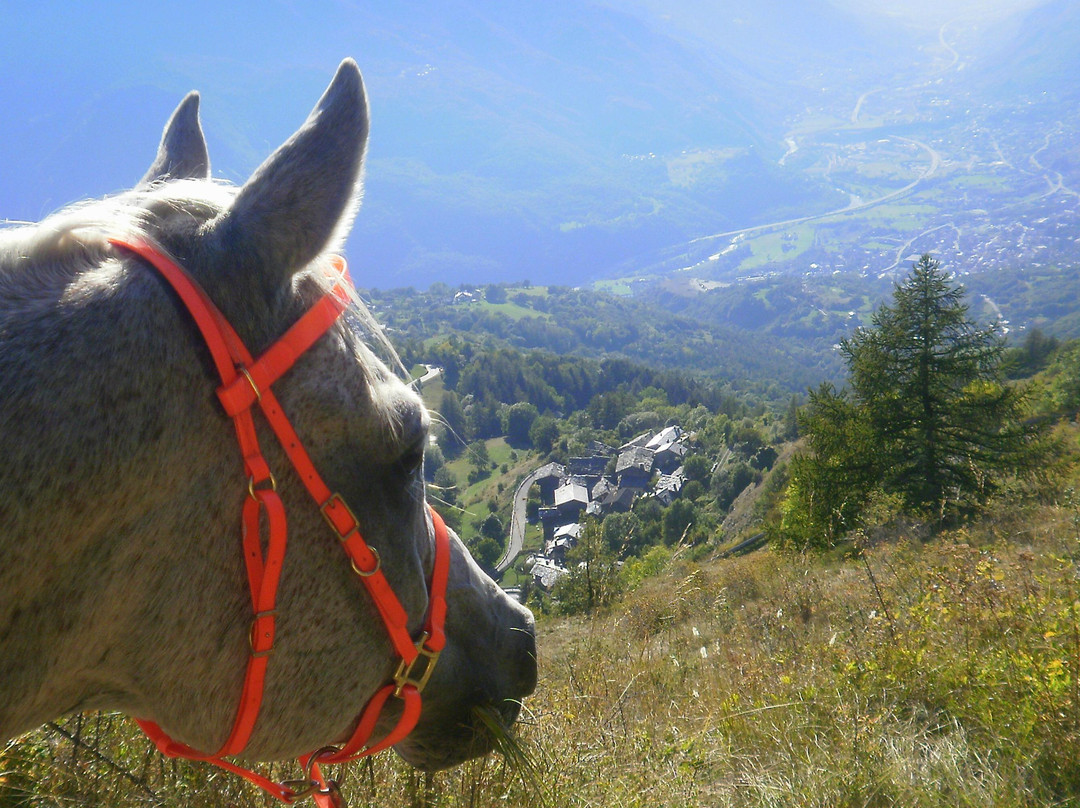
(831, 481)
(928, 418)
(946, 425)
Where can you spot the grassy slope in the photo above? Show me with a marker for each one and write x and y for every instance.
(936, 674)
(940, 674)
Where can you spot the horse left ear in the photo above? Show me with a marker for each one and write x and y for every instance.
(302, 200)
(182, 153)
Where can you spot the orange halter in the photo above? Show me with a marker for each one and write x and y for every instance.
(246, 382)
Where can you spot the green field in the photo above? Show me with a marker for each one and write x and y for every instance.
(498, 485)
(620, 287)
(779, 246)
(510, 310)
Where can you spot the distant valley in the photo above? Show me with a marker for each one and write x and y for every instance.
(628, 143)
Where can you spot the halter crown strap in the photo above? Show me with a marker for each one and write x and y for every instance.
(246, 382)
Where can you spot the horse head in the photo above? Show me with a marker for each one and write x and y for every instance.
(122, 580)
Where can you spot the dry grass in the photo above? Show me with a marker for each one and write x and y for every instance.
(942, 674)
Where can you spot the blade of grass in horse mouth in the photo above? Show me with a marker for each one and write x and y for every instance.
(510, 747)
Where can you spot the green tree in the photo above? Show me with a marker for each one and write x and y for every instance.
(453, 415)
(677, 520)
(729, 481)
(1063, 385)
(1032, 355)
(543, 433)
(485, 551)
(593, 579)
(483, 419)
(697, 467)
(433, 461)
(946, 426)
(518, 419)
(789, 429)
(833, 477)
(444, 483)
(492, 528)
(477, 455)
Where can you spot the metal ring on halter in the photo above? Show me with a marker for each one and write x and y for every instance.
(326, 751)
(311, 784)
(373, 570)
(299, 789)
(251, 485)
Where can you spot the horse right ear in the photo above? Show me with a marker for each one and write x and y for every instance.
(302, 199)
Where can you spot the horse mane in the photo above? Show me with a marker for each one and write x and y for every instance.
(75, 239)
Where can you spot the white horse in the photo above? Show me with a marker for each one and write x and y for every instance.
(122, 580)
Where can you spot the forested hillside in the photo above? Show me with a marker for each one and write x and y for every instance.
(816, 310)
(445, 326)
(532, 375)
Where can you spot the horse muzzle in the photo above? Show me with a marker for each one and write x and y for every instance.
(478, 692)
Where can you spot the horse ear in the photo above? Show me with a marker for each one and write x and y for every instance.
(182, 153)
(304, 197)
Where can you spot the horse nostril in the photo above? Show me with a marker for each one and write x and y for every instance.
(525, 657)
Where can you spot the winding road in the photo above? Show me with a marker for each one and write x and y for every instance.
(517, 522)
(931, 169)
(904, 251)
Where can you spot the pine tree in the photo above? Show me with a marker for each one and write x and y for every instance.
(946, 426)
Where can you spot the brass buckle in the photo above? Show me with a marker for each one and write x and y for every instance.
(251, 633)
(404, 675)
(335, 501)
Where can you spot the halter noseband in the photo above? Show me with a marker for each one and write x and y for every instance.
(246, 382)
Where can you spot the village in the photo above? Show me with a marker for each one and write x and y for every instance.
(606, 480)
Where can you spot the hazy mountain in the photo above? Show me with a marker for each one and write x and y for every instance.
(808, 45)
(559, 141)
(935, 13)
(550, 140)
(1039, 53)
(530, 140)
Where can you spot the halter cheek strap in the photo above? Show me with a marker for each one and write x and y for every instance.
(245, 382)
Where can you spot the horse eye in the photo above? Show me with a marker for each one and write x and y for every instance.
(412, 457)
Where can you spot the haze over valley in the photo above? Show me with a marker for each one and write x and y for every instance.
(570, 143)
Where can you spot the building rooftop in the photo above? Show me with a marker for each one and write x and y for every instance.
(571, 492)
(664, 437)
(635, 457)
